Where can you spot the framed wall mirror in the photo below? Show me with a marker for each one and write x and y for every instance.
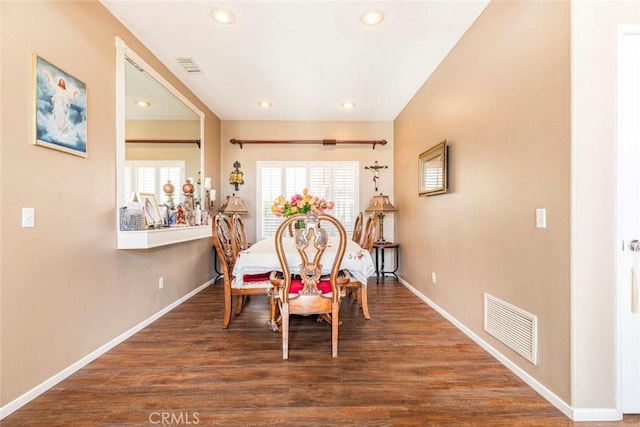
(158, 142)
(432, 170)
(162, 137)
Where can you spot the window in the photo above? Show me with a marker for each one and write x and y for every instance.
(148, 176)
(333, 181)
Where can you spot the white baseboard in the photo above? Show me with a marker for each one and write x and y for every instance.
(531, 382)
(22, 400)
(596, 414)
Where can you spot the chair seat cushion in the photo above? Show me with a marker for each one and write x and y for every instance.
(296, 286)
(258, 277)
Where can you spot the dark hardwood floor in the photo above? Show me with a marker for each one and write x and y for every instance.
(407, 366)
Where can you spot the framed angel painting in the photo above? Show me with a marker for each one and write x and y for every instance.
(60, 109)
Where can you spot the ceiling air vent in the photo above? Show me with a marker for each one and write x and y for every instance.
(189, 65)
(513, 326)
(134, 63)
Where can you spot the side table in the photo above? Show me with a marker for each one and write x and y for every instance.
(379, 258)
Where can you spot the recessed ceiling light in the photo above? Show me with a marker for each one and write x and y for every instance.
(372, 17)
(348, 105)
(222, 16)
(141, 103)
(264, 104)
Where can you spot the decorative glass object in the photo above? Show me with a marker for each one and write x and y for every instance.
(132, 219)
(124, 219)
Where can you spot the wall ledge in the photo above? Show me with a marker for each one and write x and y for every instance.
(146, 239)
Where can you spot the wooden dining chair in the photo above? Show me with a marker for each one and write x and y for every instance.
(356, 236)
(370, 232)
(224, 244)
(239, 234)
(360, 289)
(303, 291)
(241, 243)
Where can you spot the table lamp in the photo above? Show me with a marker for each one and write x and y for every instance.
(381, 204)
(233, 204)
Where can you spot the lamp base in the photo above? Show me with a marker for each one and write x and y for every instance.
(380, 227)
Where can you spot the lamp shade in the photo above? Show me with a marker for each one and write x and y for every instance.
(233, 204)
(381, 203)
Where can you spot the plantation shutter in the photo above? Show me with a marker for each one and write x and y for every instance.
(332, 181)
(345, 194)
(295, 180)
(319, 183)
(145, 179)
(128, 181)
(270, 188)
(148, 176)
(434, 176)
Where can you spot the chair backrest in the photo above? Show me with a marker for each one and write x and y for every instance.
(311, 243)
(239, 235)
(370, 232)
(223, 242)
(356, 236)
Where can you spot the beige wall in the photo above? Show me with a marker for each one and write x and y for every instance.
(502, 100)
(286, 130)
(65, 289)
(162, 129)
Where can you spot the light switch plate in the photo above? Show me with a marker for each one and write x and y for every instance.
(28, 217)
(541, 218)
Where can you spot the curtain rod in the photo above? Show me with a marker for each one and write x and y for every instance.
(173, 141)
(241, 142)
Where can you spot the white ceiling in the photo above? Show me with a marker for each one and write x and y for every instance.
(305, 57)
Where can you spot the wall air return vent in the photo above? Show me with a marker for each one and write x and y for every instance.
(512, 326)
(189, 65)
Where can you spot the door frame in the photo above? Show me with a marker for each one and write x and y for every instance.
(622, 253)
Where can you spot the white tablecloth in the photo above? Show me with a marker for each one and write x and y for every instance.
(261, 258)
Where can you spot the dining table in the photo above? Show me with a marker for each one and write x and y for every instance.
(261, 257)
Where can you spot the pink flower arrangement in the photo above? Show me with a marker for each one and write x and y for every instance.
(300, 203)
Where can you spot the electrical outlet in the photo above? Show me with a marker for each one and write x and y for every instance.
(161, 283)
(433, 278)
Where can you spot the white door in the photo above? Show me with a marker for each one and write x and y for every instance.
(629, 215)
